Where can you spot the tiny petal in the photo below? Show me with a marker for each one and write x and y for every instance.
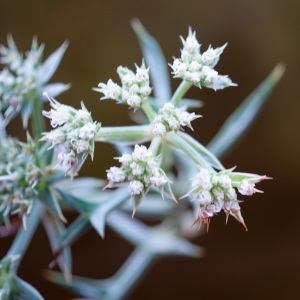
(136, 187)
(115, 174)
(247, 188)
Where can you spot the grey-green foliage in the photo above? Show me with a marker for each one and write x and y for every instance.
(37, 184)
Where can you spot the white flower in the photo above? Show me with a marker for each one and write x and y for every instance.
(56, 136)
(81, 146)
(137, 169)
(115, 174)
(59, 116)
(218, 195)
(211, 76)
(204, 197)
(202, 180)
(191, 44)
(145, 91)
(128, 79)
(136, 187)
(195, 66)
(125, 159)
(141, 153)
(67, 160)
(88, 131)
(211, 56)
(142, 74)
(247, 188)
(134, 101)
(110, 90)
(82, 116)
(179, 68)
(225, 181)
(173, 123)
(159, 129)
(134, 89)
(158, 178)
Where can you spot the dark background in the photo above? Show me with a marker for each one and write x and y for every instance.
(262, 263)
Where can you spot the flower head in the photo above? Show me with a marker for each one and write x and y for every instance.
(19, 178)
(135, 87)
(197, 68)
(214, 192)
(170, 118)
(74, 131)
(141, 169)
(24, 78)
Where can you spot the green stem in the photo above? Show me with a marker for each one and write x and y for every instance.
(208, 155)
(179, 93)
(23, 237)
(155, 145)
(179, 142)
(124, 134)
(148, 111)
(37, 121)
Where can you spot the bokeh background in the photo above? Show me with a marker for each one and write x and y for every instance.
(263, 263)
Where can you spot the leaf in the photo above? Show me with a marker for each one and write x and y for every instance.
(156, 60)
(55, 89)
(50, 65)
(115, 199)
(88, 288)
(51, 202)
(24, 290)
(74, 231)
(244, 116)
(55, 229)
(81, 204)
(26, 113)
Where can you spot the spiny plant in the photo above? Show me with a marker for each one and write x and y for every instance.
(165, 173)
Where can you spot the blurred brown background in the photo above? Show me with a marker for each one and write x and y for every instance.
(263, 263)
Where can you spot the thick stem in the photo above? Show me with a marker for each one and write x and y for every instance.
(124, 134)
(179, 93)
(155, 145)
(148, 111)
(37, 121)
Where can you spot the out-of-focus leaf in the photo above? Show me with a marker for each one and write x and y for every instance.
(55, 229)
(55, 89)
(50, 65)
(26, 113)
(243, 117)
(88, 288)
(23, 237)
(81, 203)
(155, 59)
(24, 290)
(113, 201)
(82, 186)
(51, 202)
(76, 229)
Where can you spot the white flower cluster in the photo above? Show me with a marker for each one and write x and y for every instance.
(141, 169)
(197, 68)
(76, 133)
(135, 87)
(19, 177)
(215, 192)
(170, 118)
(24, 79)
(19, 77)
